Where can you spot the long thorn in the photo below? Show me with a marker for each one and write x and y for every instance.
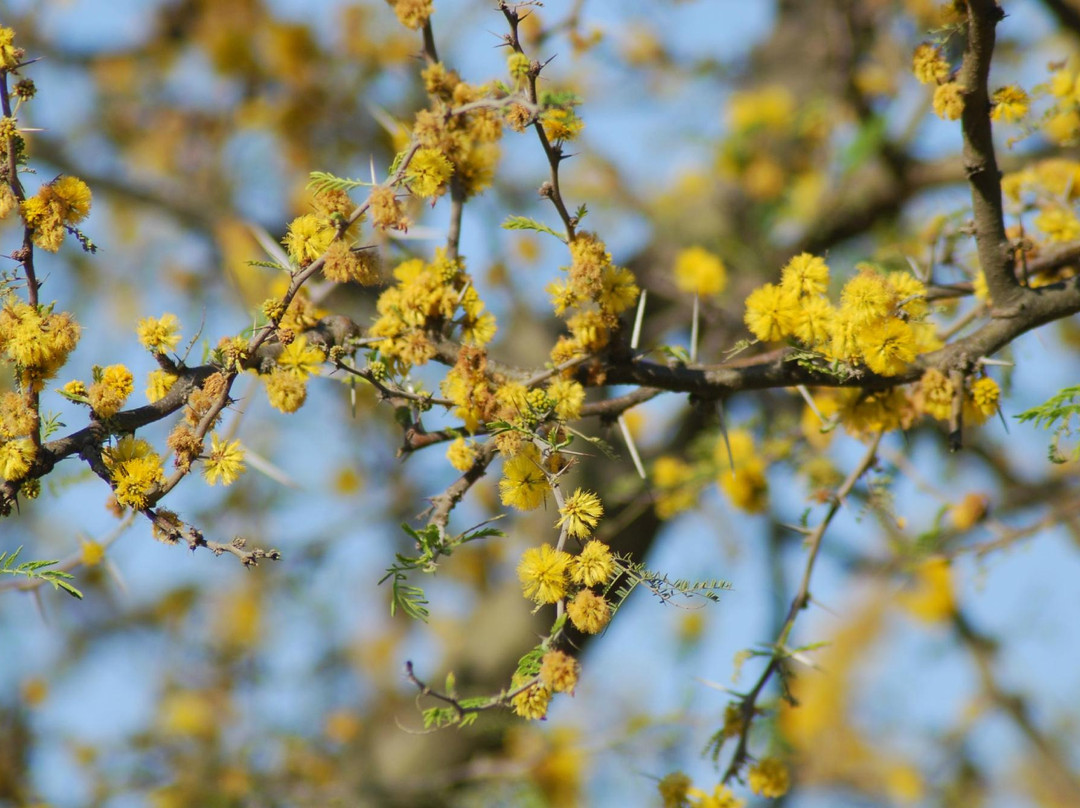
(630, 445)
(638, 318)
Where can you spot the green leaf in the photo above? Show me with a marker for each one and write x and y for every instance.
(525, 223)
(324, 181)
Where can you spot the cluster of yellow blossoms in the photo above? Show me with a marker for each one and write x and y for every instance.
(17, 451)
(930, 66)
(591, 298)
(551, 575)
(880, 322)
(426, 297)
(464, 147)
(36, 340)
(56, 206)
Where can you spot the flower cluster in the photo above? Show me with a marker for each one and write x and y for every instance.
(36, 340)
(62, 203)
(880, 322)
(593, 295)
(426, 297)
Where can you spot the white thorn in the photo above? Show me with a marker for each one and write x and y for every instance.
(810, 401)
(638, 318)
(630, 445)
(694, 332)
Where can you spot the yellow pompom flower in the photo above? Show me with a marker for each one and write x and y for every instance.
(524, 483)
(673, 789)
(559, 672)
(721, 797)
(543, 573)
(158, 383)
(580, 513)
(16, 457)
(428, 173)
(928, 64)
(561, 124)
(309, 237)
(300, 359)
(286, 391)
(806, 275)
(108, 394)
(10, 56)
(1059, 223)
(886, 346)
(771, 313)
(815, 321)
(159, 334)
(985, 394)
(618, 290)
(867, 297)
(1010, 104)
(593, 565)
(461, 455)
(700, 272)
(531, 703)
(225, 463)
(92, 552)
(589, 612)
(949, 101)
(769, 777)
(568, 396)
(412, 13)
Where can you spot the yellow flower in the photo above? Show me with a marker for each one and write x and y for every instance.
(747, 488)
(561, 124)
(949, 101)
(428, 173)
(16, 457)
(771, 107)
(618, 291)
(589, 612)
(932, 599)
(300, 359)
(769, 778)
(108, 394)
(524, 483)
(286, 391)
(867, 297)
(985, 394)
(134, 478)
(771, 313)
(226, 461)
(935, 394)
(700, 272)
(461, 455)
(593, 565)
(887, 346)
(158, 383)
(559, 672)
(568, 396)
(673, 789)
(412, 13)
(72, 197)
(1010, 104)
(159, 334)
(309, 237)
(928, 64)
(580, 513)
(806, 275)
(542, 572)
(531, 703)
(814, 324)
(10, 56)
(721, 797)
(92, 553)
(1059, 223)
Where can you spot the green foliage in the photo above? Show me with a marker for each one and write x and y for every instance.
(36, 570)
(1057, 411)
(525, 223)
(322, 181)
(432, 545)
(635, 574)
